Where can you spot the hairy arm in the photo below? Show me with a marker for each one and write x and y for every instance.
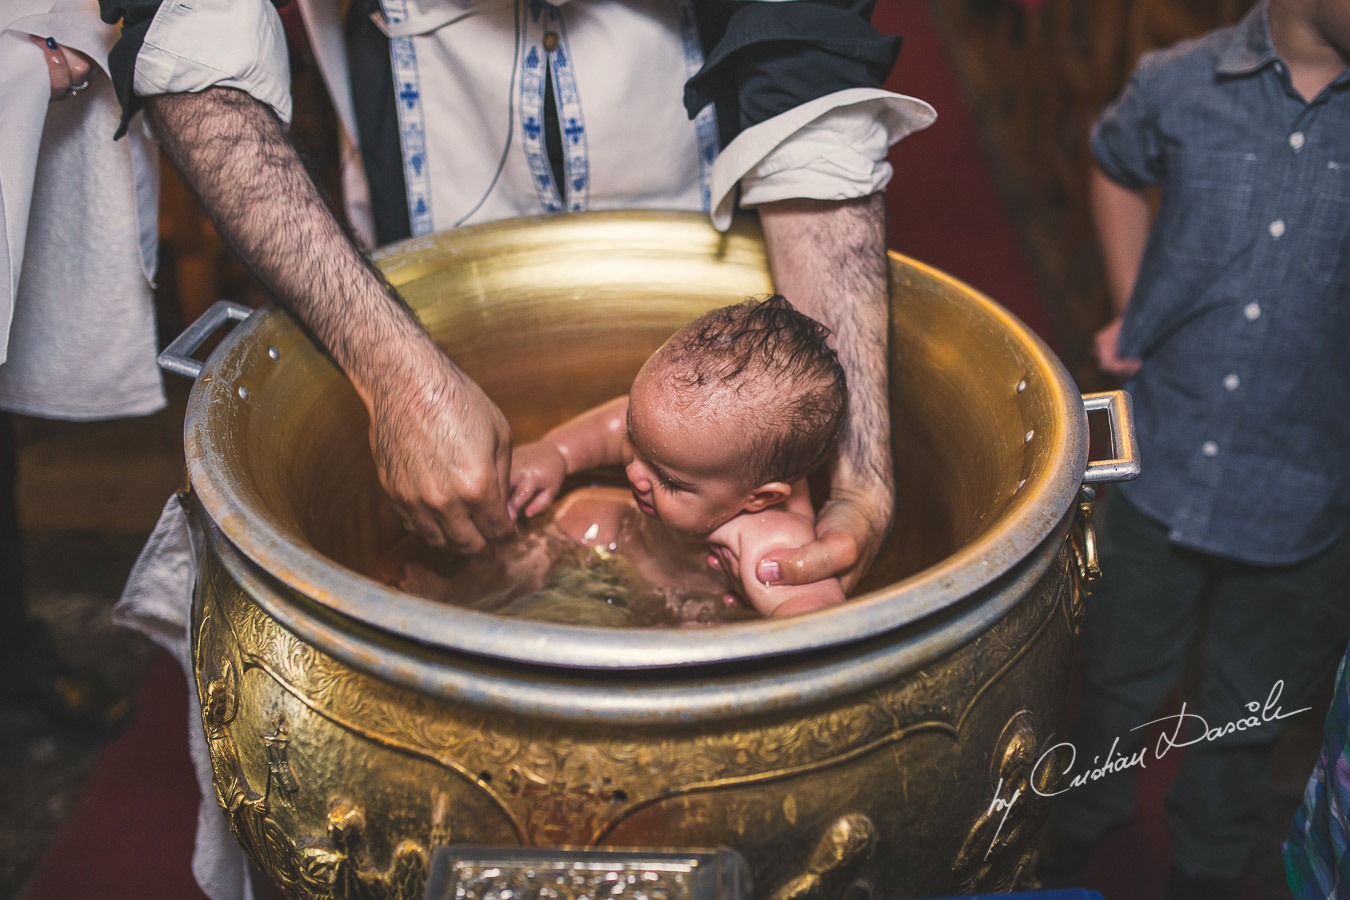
(829, 259)
(587, 441)
(442, 448)
(1122, 219)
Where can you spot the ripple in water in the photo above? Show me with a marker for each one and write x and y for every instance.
(545, 575)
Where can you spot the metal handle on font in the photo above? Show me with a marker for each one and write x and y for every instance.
(1124, 464)
(177, 357)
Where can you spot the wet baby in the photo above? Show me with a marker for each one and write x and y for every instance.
(717, 435)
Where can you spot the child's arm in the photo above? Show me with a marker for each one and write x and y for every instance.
(588, 441)
(1122, 219)
(788, 525)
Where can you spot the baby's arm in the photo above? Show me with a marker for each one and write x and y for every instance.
(787, 525)
(588, 441)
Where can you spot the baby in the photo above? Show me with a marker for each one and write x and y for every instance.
(716, 436)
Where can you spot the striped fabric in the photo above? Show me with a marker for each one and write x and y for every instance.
(1317, 852)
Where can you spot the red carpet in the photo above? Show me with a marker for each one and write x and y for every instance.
(131, 834)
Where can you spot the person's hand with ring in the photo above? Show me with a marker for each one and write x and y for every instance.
(68, 69)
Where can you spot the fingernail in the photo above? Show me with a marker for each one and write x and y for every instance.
(51, 42)
(768, 571)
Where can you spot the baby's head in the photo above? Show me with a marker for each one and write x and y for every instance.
(730, 411)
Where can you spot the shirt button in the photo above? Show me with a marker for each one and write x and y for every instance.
(1209, 448)
(1277, 228)
(1231, 381)
(551, 41)
(1252, 311)
(1296, 140)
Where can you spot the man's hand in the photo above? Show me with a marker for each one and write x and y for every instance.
(443, 451)
(829, 259)
(537, 474)
(1106, 347)
(849, 531)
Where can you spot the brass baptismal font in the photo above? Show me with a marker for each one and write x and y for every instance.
(885, 748)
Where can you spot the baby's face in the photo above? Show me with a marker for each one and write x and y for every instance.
(685, 470)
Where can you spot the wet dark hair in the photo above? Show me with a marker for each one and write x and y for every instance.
(779, 363)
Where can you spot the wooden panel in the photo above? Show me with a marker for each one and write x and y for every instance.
(1037, 74)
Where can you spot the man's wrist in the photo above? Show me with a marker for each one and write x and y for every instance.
(395, 356)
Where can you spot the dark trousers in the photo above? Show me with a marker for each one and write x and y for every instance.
(1262, 625)
(27, 654)
(13, 612)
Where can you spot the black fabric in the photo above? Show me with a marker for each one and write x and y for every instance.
(712, 18)
(135, 16)
(553, 144)
(373, 96)
(773, 57)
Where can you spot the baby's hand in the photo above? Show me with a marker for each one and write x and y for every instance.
(537, 473)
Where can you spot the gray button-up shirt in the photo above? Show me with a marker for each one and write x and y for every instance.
(1241, 313)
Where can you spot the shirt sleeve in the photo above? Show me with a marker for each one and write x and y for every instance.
(184, 46)
(1125, 141)
(775, 55)
(799, 82)
(831, 148)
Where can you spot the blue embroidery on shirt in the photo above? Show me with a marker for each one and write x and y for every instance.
(532, 114)
(412, 131)
(705, 123)
(576, 155)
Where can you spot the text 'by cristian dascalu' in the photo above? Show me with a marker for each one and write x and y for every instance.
(1186, 728)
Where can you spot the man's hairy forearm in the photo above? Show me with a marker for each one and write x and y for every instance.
(829, 259)
(234, 153)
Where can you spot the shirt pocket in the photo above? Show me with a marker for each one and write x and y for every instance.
(1213, 193)
(1328, 257)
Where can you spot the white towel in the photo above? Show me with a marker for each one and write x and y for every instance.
(157, 602)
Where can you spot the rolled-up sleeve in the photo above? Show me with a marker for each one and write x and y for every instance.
(832, 148)
(800, 81)
(1125, 139)
(174, 46)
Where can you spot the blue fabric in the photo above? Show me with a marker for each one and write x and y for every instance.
(1241, 312)
(1317, 851)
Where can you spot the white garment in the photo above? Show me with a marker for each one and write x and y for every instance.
(243, 51)
(157, 602)
(78, 230)
(192, 46)
(471, 107)
(832, 148)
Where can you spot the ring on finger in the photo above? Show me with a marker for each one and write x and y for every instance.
(75, 89)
